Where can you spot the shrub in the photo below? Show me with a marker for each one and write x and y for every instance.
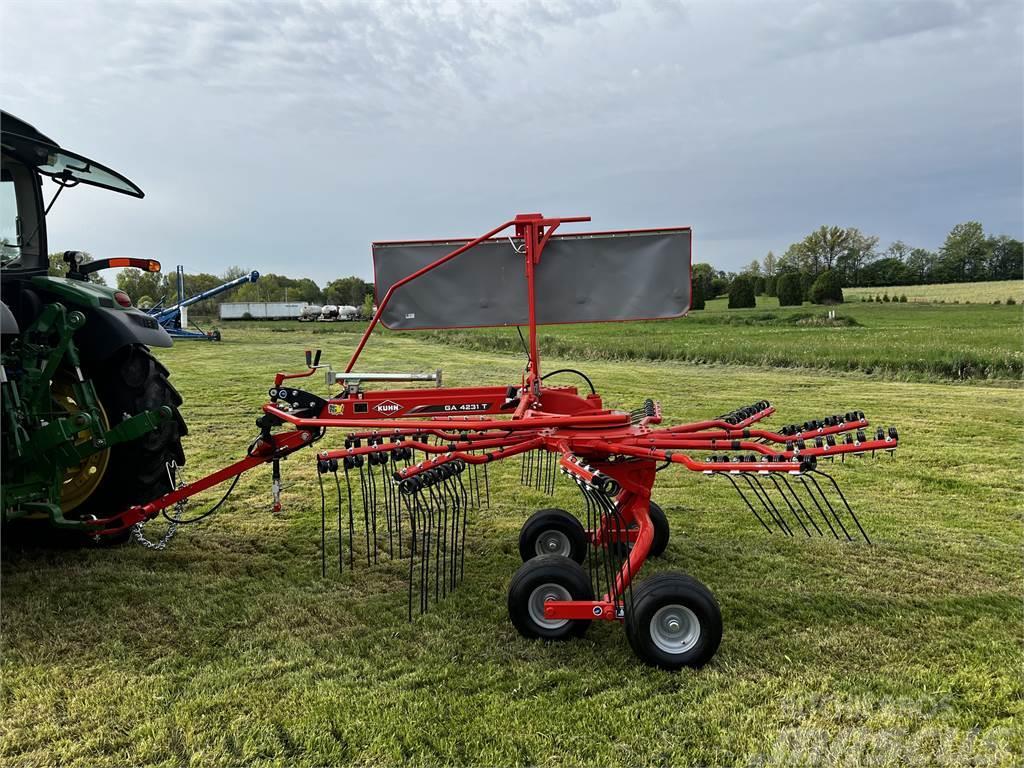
(789, 291)
(997, 301)
(903, 298)
(828, 288)
(759, 286)
(697, 295)
(1010, 301)
(247, 316)
(771, 285)
(741, 293)
(806, 281)
(885, 297)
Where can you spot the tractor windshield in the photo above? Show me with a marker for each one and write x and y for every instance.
(68, 167)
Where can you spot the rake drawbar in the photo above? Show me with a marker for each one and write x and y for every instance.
(414, 464)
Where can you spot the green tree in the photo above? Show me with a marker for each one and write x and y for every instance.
(770, 265)
(790, 290)
(741, 293)
(347, 290)
(963, 256)
(920, 266)
(138, 284)
(771, 285)
(1005, 258)
(827, 288)
(859, 251)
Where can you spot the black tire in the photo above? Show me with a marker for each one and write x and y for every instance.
(675, 622)
(661, 533)
(564, 579)
(553, 532)
(130, 382)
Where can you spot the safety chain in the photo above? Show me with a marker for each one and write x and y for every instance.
(177, 481)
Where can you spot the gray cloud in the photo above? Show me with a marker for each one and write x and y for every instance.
(287, 136)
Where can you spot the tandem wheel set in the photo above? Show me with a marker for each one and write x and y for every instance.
(413, 461)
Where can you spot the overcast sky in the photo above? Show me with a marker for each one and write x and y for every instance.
(285, 137)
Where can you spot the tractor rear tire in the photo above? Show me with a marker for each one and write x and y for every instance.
(130, 382)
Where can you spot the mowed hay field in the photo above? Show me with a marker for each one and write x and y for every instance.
(229, 648)
(985, 292)
(914, 342)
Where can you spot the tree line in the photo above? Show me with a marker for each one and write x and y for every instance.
(147, 289)
(851, 258)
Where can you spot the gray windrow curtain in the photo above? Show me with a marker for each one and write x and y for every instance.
(580, 279)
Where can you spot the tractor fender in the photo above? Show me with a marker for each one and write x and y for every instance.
(108, 330)
(8, 325)
(109, 326)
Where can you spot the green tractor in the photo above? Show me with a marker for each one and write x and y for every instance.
(89, 423)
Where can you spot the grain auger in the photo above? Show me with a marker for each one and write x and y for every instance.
(415, 460)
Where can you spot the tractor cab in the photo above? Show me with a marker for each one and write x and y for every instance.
(27, 156)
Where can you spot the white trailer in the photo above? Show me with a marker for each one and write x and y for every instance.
(262, 310)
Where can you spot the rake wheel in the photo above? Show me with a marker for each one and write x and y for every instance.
(661, 533)
(553, 532)
(542, 579)
(675, 622)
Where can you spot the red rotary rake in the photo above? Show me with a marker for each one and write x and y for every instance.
(416, 458)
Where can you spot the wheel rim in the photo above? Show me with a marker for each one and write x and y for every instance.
(82, 480)
(545, 593)
(675, 629)
(552, 542)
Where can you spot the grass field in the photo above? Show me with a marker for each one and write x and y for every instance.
(230, 649)
(903, 341)
(975, 293)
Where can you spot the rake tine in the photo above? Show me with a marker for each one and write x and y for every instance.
(465, 514)
(443, 548)
(412, 547)
(366, 510)
(386, 487)
(788, 504)
(460, 513)
(475, 483)
(351, 521)
(457, 514)
(398, 508)
(341, 540)
(766, 502)
(428, 515)
(820, 510)
(323, 525)
(792, 493)
(831, 509)
(487, 488)
(371, 483)
(845, 503)
(767, 496)
(745, 500)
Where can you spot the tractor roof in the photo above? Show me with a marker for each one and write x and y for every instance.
(49, 158)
